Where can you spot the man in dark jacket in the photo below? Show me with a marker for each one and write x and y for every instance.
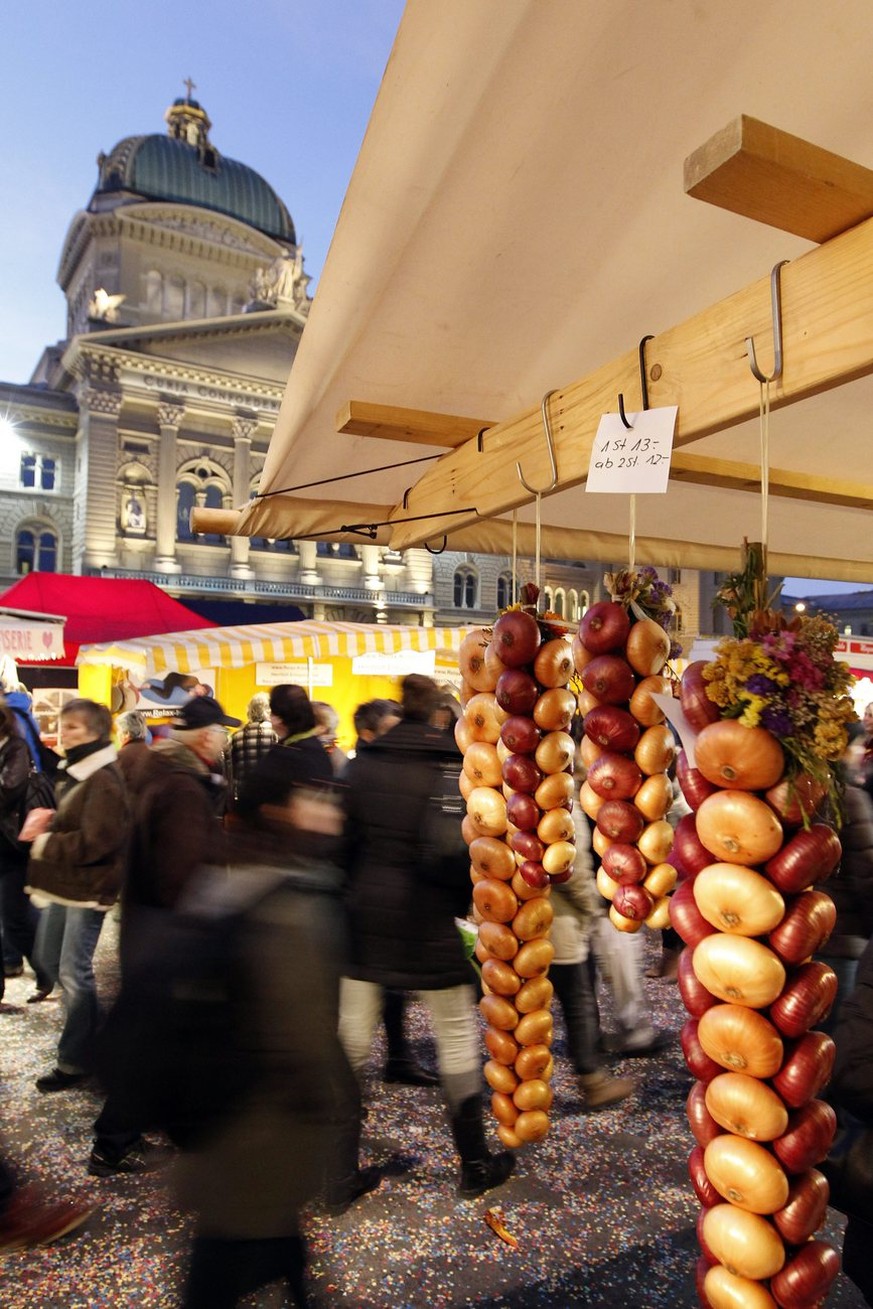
(402, 929)
(850, 1173)
(175, 831)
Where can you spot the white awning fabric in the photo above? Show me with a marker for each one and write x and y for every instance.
(517, 219)
(269, 643)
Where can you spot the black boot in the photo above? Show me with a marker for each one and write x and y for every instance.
(404, 1069)
(346, 1181)
(480, 1170)
(401, 1066)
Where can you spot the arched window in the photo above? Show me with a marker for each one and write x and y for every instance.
(36, 550)
(202, 484)
(572, 606)
(504, 590)
(558, 604)
(465, 588)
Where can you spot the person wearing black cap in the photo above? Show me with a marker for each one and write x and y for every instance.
(175, 830)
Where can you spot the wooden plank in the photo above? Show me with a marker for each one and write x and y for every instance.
(701, 365)
(763, 173)
(358, 418)
(726, 473)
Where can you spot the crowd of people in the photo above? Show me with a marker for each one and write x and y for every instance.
(315, 857)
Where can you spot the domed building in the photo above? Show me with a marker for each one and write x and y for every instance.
(186, 300)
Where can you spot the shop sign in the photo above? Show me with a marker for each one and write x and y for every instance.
(304, 673)
(22, 639)
(397, 664)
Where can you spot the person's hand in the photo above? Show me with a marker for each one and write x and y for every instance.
(36, 822)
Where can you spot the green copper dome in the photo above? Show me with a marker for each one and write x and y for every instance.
(185, 167)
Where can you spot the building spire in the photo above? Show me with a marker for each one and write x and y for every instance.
(187, 120)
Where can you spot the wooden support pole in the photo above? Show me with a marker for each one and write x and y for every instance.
(763, 173)
(358, 418)
(701, 365)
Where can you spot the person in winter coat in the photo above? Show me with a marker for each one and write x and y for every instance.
(297, 760)
(253, 740)
(134, 742)
(372, 720)
(19, 918)
(574, 909)
(248, 1177)
(75, 870)
(851, 889)
(401, 924)
(850, 1173)
(175, 829)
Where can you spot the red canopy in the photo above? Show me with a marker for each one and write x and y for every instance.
(101, 608)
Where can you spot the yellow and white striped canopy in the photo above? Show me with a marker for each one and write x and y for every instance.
(235, 647)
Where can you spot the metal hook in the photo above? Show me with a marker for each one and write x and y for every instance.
(776, 309)
(644, 389)
(442, 548)
(644, 386)
(480, 439)
(544, 409)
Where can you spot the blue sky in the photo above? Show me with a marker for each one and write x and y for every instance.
(288, 84)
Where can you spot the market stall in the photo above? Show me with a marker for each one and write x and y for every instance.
(342, 663)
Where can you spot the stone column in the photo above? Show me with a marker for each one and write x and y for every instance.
(95, 502)
(370, 556)
(308, 564)
(169, 418)
(242, 444)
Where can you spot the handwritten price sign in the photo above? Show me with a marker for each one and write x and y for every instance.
(636, 459)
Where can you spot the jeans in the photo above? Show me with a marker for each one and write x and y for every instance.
(65, 943)
(455, 1028)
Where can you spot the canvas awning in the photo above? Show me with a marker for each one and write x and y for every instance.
(517, 221)
(31, 637)
(273, 643)
(99, 609)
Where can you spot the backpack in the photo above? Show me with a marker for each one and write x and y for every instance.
(173, 1050)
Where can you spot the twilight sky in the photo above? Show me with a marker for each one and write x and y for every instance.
(288, 84)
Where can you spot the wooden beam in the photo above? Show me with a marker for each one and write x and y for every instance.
(760, 172)
(701, 365)
(725, 473)
(358, 418)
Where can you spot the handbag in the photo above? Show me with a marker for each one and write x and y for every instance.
(39, 793)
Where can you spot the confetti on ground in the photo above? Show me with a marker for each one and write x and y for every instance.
(602, 1208)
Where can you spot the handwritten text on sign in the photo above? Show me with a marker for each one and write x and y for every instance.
(635, 459)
